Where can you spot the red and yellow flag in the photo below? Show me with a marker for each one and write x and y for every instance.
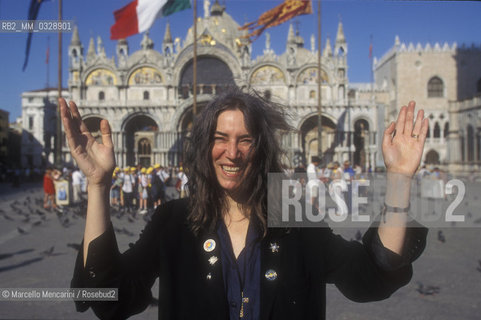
(280, 14)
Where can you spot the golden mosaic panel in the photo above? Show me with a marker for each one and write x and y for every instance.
(268, 75)
(309, 76)
(145, 75)
(101, 77)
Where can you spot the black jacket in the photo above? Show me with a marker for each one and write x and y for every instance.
(190, 288)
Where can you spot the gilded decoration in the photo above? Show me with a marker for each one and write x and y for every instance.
(268, 75)
(101, 77)
(145, 75)
(75, 76)
(309, 76)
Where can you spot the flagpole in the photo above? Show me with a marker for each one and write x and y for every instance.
(48, 64)
(319, 83)
(372, 73)
(194, 106)
(58, 144)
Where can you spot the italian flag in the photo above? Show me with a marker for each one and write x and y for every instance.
(139, 15)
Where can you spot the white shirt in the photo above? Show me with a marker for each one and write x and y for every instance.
(164, 175)
(143, 180)
(127, 186)
(311, 172)
(183, 177)
(77, 177)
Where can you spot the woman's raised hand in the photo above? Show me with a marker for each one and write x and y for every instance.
(96, 160)
(403, 141)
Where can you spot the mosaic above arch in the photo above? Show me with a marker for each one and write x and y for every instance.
(145, 75)
(268, 75)
(101, 77)
(309, 76)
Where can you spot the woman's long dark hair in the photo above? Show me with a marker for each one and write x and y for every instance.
(264, 121)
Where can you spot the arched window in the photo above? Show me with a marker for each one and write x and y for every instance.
(463, 158)
(144, 147)
(341, 51)
(341, 92)
(30, 123)
(437, 130)
(435, 88)
(432, 157)
(146, 95)
(478, 144)
(428, 134)
(470, 139)
(446, 129)
(341, 73)
(101, 95)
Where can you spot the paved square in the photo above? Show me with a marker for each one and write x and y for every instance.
(38, 250)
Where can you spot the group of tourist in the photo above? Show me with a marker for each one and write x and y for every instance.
(133, 189)
(330, 171)
(138, 189)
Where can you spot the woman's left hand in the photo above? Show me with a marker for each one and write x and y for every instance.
(403, 141)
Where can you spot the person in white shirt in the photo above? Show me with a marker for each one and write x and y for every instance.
(183, 178)
(143, 183)
(337, 172)
(312, 168)
(313, 174)
(163, 174)
(77, 180)
(127, 189)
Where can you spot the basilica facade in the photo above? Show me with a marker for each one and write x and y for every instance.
(147, 94)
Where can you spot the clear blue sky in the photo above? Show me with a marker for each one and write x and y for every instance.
(413, 21)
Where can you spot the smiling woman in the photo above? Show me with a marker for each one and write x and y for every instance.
(213, 253)
(230, 152)
(236, 134)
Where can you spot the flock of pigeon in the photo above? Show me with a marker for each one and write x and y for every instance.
(429, 290)
(29, 213)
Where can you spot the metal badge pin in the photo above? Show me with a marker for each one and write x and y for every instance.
(209, 245)
(274, 247)
(212, 260)
(209, 276)
(271, 275)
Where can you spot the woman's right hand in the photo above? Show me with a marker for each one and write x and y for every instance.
(96, 160)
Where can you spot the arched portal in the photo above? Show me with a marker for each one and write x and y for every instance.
(93, 125)
(361, 136)
(137, 129)
(432, 157)
(185, 121)
(309, 137)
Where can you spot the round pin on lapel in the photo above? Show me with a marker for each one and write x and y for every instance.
(209, 245)
(271, 275)
(212, 260)
(274, 247)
